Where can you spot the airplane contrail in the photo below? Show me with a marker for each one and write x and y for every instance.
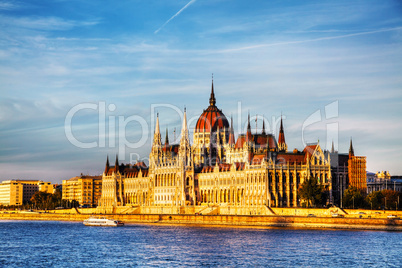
(175, 15)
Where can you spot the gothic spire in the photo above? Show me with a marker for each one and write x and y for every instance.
(157, 131)
(184, 131)
(248, 123)
(212, 100)
(184, 126)
(157, 135)
(248, 135)
(116, 165)
(231, 133)
(263, 126)
(351, 151)
(333, 148)
(107, 165)
(167, 137)
(282, 146)
(184, 148)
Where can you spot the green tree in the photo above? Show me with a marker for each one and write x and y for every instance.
(390, 198)
(311, 191)
(43, 200)
(374, 200)
(56, 198)
(40, 199)
(353, 198)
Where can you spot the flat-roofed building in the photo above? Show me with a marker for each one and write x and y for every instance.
(382, 180)
(84, 189)
(30, 187)
(11, 193)
(17, 192)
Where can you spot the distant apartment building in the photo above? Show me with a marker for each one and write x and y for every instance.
(30, 187)
(357, 170)
(87, 190)
(347, 170)
(17, 192)
(382, 180)
(11, 193)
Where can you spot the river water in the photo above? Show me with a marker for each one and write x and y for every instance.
(71, 244)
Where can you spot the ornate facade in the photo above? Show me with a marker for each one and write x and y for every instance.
(216, 170)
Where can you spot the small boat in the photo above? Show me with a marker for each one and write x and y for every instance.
(102, 222)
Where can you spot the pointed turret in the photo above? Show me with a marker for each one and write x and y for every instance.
(156, 149)
(212, 100)
(166, 145)
(157, 136)
(333, 148)
(157, 130)
(263, 126)
(281, 139)
(167, 137)
(107, 165)
(184, 129)
(184, 149)
(116, 165)
(231, 133)
(351, 151)
(249, 137)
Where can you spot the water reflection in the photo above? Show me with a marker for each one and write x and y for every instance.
(70, 244)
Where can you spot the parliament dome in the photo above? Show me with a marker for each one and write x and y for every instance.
(212, 117)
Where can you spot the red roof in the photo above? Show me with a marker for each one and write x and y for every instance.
(211, 119)
(310, 148)
(257, 159)
(141, 165)
(240, 165)
(231, 138)
(284, 158)
(272, 142)
(207, 169)
(224, 167)
(130, 171)
(240, 141)
(260, 140)
(174, 148)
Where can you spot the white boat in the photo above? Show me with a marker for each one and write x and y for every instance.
(102, 222)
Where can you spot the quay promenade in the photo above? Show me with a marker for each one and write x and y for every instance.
(282, 218)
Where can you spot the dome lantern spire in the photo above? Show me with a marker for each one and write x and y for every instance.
(212, 100)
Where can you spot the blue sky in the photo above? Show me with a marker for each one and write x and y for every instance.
(268, 57)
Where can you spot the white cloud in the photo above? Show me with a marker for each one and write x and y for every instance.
(257, 46)
(6, 5)
(43, 23)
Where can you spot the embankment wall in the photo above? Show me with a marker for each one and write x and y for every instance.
(226, 220)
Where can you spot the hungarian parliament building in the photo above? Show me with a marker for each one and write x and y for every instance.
(254, 171)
